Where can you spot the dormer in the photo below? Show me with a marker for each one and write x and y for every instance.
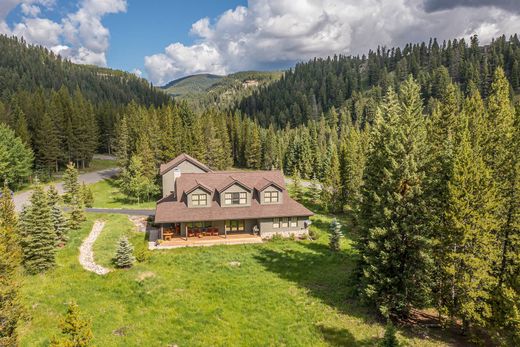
(234, 193)
(199, 196)
(270, 193)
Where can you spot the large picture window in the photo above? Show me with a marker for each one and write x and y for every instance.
(270, 197)
(199, 199)
(235, 198)
(235, 226)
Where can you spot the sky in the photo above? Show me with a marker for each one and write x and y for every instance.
(162, 40)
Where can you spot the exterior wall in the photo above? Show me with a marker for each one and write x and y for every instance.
(168, 179)
(198, 191)
(267, 231)
(271, 189)
(235, 188)
(168, 182)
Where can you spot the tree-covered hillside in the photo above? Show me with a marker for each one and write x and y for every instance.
(28, 68)
(314, 87)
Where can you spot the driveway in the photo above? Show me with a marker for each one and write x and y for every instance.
(21, 199)
(129, 212)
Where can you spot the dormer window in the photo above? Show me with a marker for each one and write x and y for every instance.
(199, 199)
(235, 198)
(270, 197)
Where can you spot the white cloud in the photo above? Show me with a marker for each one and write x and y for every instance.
(269, 33)
(80, 36)
(137, 72)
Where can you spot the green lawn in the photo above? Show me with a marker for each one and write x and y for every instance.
(108, 195)
(284, 293)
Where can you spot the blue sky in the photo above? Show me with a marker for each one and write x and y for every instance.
(166, 39)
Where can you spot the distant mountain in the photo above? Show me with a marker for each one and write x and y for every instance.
(207, 89)
(25, 67)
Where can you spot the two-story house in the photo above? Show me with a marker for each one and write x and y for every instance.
(198, 201)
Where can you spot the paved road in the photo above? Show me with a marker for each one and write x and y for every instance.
(21, 199)
(305, 184)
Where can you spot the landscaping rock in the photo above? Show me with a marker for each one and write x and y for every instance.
(86, 255)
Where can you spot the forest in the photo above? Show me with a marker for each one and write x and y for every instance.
(419, 147)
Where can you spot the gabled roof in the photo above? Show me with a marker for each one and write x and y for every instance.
(267, 183)
(199, 185)
(178, 160)
(230, 182)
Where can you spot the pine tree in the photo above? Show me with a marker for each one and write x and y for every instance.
(71, 183)
(10, 260)
(47, 143)
(77, 213)
(134, 184)
(15, 158)
(335, 235)
(76, 331)
(297, 188)
(53, 196)
(59, 221)
(86, 195)
(390, 340)
(8, 217)
(123, 143)
(38, 238)
(124, 257)
(394, 249)
(331, 186)
(470, 248)
(352, 163)
(253, 150)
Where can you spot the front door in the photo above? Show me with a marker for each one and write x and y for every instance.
(235, 226)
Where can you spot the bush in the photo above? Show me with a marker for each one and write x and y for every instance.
(124, 255)
(313, 234)
(277, 238)
(76, 331)
(142, 254)
(390, 340)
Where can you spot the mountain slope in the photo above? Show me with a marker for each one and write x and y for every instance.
(29, 68)
(315, 87)
(207, 89)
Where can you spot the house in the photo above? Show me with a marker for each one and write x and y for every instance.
(199, 202)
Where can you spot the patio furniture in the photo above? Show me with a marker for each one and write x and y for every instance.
(191, 232)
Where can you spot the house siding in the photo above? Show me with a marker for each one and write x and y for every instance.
(271, 189)
(168, 179)
(199, 191)
(267, 231)
(235, 188)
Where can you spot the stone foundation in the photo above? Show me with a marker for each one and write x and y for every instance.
(302, 233)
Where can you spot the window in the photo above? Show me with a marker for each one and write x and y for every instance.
(285, 222)
(276, 223)
(270, 197)
(199, 224)
(199, 199)
(294, 222)
(235, 198)
(235, 225)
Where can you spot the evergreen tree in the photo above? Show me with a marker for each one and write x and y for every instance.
(59, 221)
(394, 249)
(297, 188)
(86, 195)
(47, 144)
(53, 196)
(335, 235)
(10, 260)
(77, 213)
(15, 158)
(124, 255)
(253, 151)
(390, 339)
(8, 217)
(71, 183)
(123, 143)
(331, 186)
(470, 248)
(352, 163)
(134, 183)
(38, 237)
(76, 330)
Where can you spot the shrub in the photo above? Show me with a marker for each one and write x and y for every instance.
(124, 255)
(76, 330)
(389, 340)
(142, 254)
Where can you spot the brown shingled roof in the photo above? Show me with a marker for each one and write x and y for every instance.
(179, 159)
(174, 209)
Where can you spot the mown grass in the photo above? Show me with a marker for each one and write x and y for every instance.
(108, 195)
(283, 293)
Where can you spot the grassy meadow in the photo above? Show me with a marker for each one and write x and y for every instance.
(282, 293)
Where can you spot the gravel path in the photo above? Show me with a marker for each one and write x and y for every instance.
(86, 254)
(21, 199)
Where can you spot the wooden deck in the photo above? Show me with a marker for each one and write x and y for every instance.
(231, 239)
